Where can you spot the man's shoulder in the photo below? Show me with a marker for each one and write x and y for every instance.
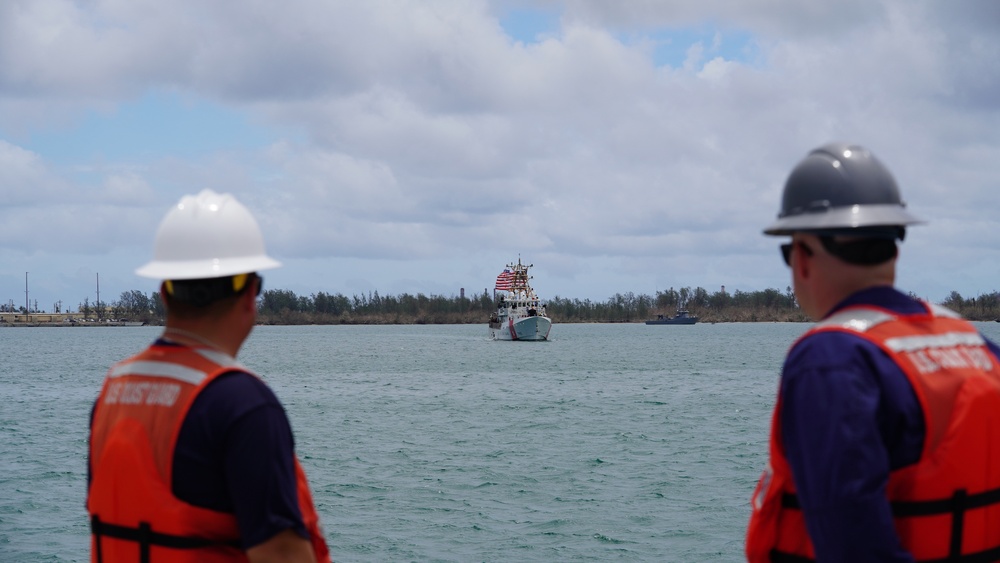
(235, 393)
(846, 326)
(832, 341)
(836, 350)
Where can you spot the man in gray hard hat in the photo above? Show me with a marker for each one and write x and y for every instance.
(885, 440)
(191, 454)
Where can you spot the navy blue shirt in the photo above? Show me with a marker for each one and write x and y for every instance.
(235, 454)
(849, 416)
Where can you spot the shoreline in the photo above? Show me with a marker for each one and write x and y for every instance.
(74, 324)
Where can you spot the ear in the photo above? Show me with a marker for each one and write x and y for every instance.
(163, 293)
(802, 265)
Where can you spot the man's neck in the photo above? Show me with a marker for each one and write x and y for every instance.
(202, 334)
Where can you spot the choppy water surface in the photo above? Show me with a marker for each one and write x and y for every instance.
(433, 443)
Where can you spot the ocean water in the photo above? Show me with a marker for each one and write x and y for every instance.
(611, 442)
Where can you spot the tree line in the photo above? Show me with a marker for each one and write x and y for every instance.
(132, 305)
(284, 307)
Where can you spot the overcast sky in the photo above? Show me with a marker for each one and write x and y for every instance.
(420, 146)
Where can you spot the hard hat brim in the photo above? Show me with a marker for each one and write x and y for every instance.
(203, 269)
(840, 218)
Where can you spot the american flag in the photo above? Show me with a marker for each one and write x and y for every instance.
(505, 280)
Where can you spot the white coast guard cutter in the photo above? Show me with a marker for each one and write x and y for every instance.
(520, 315)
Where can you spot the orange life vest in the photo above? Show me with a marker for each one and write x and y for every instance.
(945, 506)
(134, 513)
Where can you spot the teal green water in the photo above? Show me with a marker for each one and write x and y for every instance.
(433, 443)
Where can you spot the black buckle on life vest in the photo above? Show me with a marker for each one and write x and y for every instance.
(146, 537)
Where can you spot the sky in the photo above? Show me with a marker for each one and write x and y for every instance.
(410, 146)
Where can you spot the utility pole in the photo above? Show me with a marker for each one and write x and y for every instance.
(98, 296)
(26, 295)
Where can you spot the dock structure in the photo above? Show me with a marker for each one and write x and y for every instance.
(58, 319)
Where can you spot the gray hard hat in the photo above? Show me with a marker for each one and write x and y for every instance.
(841, 188)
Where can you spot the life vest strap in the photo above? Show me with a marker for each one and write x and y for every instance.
(782, 557)
(146, 537)
(959, 502)
(790, 500)
(987, 556)
(956, 505)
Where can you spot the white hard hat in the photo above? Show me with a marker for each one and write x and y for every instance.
(209, 235)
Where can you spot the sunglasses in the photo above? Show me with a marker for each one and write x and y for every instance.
(786, 251)
(260, 284)
(242, 281)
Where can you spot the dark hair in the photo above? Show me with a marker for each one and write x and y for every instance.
(861, 252)
(203, 292)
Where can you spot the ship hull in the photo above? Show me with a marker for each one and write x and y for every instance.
(681, 321)
(528, 329)
(681, 318)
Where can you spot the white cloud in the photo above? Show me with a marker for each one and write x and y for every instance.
(24, 180)
(716, 69)
(127, 188)
(428, 136)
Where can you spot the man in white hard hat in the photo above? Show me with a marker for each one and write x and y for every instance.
(885, 440)
(191, 454)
